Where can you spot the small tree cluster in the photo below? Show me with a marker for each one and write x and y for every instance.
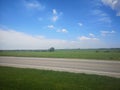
(52, 49)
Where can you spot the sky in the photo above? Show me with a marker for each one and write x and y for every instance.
(62, 24)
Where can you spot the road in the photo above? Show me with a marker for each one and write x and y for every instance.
(99, 67)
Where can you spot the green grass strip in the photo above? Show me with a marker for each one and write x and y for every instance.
(33, 79)
(79, 54)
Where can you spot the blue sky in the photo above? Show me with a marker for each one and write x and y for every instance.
(40, 24)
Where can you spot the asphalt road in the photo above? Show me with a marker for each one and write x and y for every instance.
(100, 67)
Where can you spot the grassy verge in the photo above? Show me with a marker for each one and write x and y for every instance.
(80, 54)
(32, 79)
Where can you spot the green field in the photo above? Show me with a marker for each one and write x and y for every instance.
(33, 79)
(80, 54)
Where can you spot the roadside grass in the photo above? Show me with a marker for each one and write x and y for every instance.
(34, 79)
(79, 54)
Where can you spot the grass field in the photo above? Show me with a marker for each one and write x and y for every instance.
(80, 54)
(32, 79)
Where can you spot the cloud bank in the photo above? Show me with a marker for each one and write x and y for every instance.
(11, 39)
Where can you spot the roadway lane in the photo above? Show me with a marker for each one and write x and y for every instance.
(100, 67)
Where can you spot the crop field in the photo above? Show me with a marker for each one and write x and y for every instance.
(79, 54)
(33, 79)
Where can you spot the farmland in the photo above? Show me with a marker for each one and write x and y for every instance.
(33, 79)
(79, 54)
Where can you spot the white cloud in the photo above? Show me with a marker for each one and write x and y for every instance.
(105, 33)
(91, 34)
(84, 38)
(80, 24)
(102, 16)
(63, 30)
(105, 19)
(55, 18)
(51, 26)
(54, 11)
(55, 15)
(34, 5)
(114, 4)
(92, 42)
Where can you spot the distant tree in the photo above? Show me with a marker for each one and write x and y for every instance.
(52, 49)
(106, 51)
(97, 51)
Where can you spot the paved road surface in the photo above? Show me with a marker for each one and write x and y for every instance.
(100, 67)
